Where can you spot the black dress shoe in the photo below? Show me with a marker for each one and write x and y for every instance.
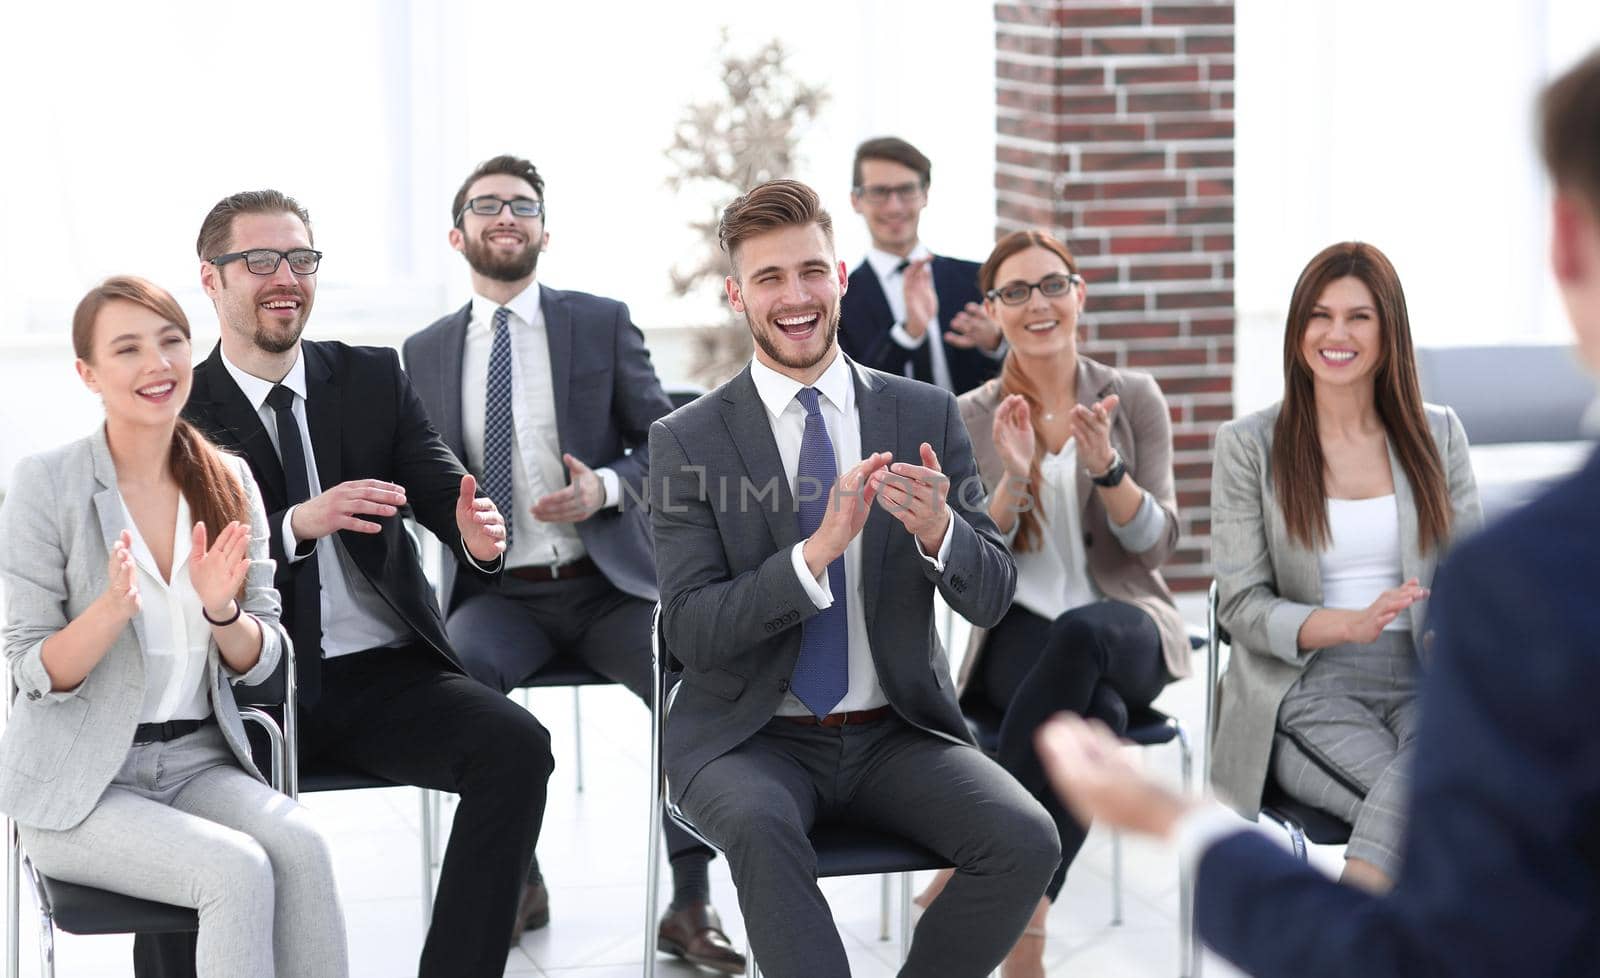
(533, 911)
(694, 933)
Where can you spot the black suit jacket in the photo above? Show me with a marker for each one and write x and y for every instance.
(865, 320)
(1500, 869)
(366, 423)
(606, 396)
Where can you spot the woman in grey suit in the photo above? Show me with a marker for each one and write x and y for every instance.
(1076, 458)
(1328, 514)
(124, 762)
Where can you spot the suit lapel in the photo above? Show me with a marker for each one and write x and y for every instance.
(324, 415)
(746, 418)
(558, 333)
(876, 406)
(866, 280)
(108, 507)
(235, 424)
(452, 352)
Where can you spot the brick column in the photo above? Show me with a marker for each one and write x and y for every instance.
(1115, 131)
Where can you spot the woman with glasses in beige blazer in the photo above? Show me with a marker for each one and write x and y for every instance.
(137, 585)
(1076, 458)
(1329, 511)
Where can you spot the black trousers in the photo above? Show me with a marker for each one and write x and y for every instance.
(1100, 660)
(406, 715)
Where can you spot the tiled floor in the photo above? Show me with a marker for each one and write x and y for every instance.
(593, 849)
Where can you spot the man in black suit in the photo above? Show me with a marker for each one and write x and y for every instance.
(802, 529)
(547, 396)
(1501, 863)
(340, 443)
(909, 311)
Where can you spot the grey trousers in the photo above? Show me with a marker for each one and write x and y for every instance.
(181, 823)
(759, 801)
(1344, 741)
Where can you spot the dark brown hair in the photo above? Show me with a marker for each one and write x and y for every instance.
(511, 166)
(204, 476)
(216, 231)
(1030, 522)
(1298, 467)
(771, 205)
(1570, 129)
(895, 150)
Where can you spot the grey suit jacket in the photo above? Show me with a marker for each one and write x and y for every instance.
(61, 749)
(732, 603)
(606, 396)
(1141, 432)
(1268, 584)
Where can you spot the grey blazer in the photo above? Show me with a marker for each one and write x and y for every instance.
(732, 603)
(606, 396)
(1141, 432)
(1268, 585)
(61, 749)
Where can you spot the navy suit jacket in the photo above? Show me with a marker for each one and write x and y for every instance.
(865, 320)
(606, 396)
(1501, 863)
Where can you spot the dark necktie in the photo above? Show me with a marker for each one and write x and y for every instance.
(498, 420)
(306, 623)
(900, 269)
(822, 673)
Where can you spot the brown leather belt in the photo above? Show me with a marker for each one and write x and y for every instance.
(582, 567)
(850, 718)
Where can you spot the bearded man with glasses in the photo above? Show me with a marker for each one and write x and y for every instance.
(908, 311)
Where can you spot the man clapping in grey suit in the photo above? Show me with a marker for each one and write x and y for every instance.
(801, 528)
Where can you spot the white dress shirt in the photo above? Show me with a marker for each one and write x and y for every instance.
(536, 440)
(355, 617)
(788, 419)
(893, 281)
(1362, 559)
(177, 636)
(1053, 578)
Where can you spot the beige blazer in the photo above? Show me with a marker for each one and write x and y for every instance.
(61, 749)
(1268, 585)
(1141, 432)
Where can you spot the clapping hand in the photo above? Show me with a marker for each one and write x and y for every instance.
(1013, 436)
(1090, 771)
(849, 503)
(1091, 429)
(971, 328)
(483, 529)
(915, 495)
(217, 573)
(122, 590)
(922, 303)
(578, 501)
(1368, 623)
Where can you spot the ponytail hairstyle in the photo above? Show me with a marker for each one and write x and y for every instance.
(1030, 521)
(204, 475)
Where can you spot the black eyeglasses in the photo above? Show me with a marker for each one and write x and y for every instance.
(879, 193)
(489, 206)
(1016, 293)
(264, 261)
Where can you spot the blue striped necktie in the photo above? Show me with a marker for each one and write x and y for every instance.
(822, 673)
(498, 421)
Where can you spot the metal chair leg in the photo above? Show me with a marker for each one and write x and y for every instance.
(577, 734)
(427, 861)
(1188, 948)
(905, 916)
(883, 907)
(1116, 879)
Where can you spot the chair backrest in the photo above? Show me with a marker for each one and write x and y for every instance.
(1509, 394)
(681, 394)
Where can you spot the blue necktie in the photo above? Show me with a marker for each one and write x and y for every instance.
(822, 673)
(498, 422)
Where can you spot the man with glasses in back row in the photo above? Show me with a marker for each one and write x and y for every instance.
(908, 311)
(548, 396)
(340, 443)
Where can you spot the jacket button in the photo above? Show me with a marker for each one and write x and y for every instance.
(783, 685)
(34, 694)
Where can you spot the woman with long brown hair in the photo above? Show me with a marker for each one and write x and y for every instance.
(137, 585)
(1329, 511)
(1076, 457)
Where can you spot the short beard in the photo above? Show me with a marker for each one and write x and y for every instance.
(512, 269)
(764, 340)
(265, 340)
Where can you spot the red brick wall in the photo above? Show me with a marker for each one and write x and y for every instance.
(1115, 130)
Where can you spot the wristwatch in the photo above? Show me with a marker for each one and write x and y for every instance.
(1113, 474)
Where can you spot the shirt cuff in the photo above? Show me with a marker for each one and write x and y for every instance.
(612, 486)
(291, 546)
(1144, 530)
(944, 546)
(479, 565)
(898, 333)
(1200, 829)
(816, 587)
